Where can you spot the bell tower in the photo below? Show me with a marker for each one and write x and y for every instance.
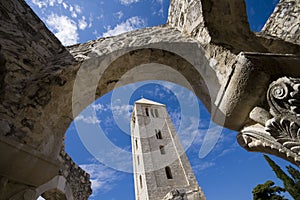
(161, 168)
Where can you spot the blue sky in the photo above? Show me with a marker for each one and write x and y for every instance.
(228, 172)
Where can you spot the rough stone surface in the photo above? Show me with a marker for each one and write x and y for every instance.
(76, 177)
(207, 43)
(30, 60)
(223, 23)
(284, 23)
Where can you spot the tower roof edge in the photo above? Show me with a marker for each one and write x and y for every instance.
(147, 101)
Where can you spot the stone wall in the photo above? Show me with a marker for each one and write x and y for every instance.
(284, 23)
(30, 65)
(77, 178)
(224, 23)
(37, 73)
(215, 22)
(32, 61)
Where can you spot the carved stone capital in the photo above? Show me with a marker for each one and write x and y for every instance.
(280, 134)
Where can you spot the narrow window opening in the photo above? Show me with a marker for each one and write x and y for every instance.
(162, 149)
(141, 183)
(152, 113)
(156, 113)
(168, 173)
(147, 112)
(138, 159)
(136, 144)
(159, 135)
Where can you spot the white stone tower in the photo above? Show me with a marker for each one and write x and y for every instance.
(161, 168)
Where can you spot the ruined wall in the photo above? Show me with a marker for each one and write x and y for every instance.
(216, 22)
(223, 23)
(30, 65)
(284, 23)
(37, 73)
(76, 177)
(32, 61)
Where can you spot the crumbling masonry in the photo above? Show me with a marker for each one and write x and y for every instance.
(248, 81)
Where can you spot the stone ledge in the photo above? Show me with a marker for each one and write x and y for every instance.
(24, 164)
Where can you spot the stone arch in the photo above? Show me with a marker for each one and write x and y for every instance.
(37, 117)
(142, 64)
(99, 75)
(101, 58)
(157, 61)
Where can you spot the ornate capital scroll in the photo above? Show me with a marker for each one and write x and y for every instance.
(278, 130)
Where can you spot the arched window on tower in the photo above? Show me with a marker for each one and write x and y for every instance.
(136, 144)
(141, 183)
(156, 113)
(152, 113)
(158, 134)
(168, 173)
(162, 149)
(147, 112)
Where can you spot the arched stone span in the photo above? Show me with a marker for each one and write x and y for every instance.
(138, 61)
(98, 76)
(38, 115)
(38, 74)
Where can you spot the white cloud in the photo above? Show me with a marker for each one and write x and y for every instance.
(40, 3)
(96, 34)
(82, 24)
(64, 28)
(65, 5)
(216, 141)
(99, 107)
(129, 25)
(40, 198)
(209, 138)
(75, 10)
(73, 13)
(175, 116)
(119, 15)
(188, 131)
(203, 166)
(88, 119)
(128, 2)
(90, 21)
(51, 2)
(121, 111)
(160, 12)
(78, 9)
(45, 3)
(103, 178)
(100, 17)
